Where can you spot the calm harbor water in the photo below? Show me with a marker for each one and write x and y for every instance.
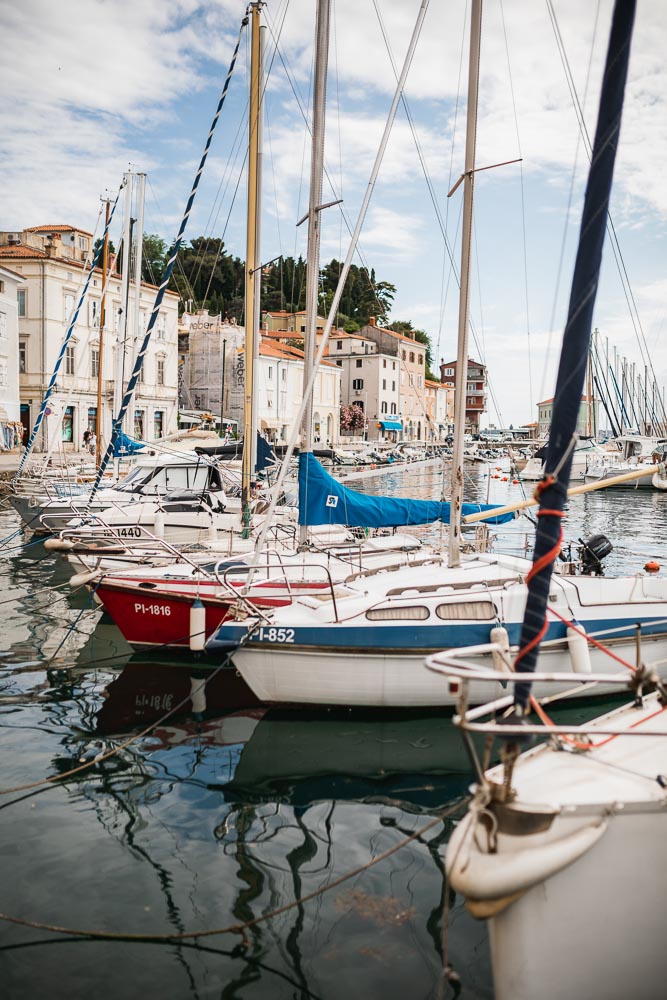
(217, 818)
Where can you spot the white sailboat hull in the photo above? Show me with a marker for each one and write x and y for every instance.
(575, 934)
(571, 868)
(396, 679)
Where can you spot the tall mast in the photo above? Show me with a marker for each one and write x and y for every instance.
(252, 264)
(464, 296)
(314, 214)
(123, 325)
(100, 356)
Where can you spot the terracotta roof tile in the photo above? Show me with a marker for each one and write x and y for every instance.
(58, 228)
(19, 250)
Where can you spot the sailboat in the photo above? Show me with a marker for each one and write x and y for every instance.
(563, 849)
(364, 642)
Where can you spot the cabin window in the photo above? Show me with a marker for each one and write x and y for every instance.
(468, 610)
(403, 614)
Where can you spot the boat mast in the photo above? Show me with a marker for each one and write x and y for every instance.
(456, 499)
(123, 325)
(252, 264)
(100, 355)
(314, 214)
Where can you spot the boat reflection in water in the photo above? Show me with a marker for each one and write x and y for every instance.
(276, 805)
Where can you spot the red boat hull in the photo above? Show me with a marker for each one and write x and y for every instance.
(162, 618)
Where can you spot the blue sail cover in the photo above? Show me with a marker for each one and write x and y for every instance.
(323, 500)
(124, 445)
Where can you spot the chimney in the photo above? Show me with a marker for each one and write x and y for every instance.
(371, 320)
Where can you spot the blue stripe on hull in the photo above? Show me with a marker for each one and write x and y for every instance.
(402, 637)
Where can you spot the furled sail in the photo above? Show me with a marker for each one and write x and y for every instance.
(323, 500)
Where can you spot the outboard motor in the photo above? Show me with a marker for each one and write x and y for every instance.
(592, 552)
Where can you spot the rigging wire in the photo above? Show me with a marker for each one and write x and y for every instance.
(611, 228)
(523, 210)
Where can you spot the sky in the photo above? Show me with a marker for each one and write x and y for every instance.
(97, 86)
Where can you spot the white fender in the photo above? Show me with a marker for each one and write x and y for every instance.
(158, 524)
(482, 877)
(197, 626)
(658, 482)
(580, 653)
(500, 657)
(58, 545)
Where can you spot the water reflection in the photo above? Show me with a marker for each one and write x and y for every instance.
(226, 811)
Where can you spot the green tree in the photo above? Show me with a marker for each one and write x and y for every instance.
(154, 259)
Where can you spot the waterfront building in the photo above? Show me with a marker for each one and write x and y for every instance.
(370, 379)
(410, 357)
(587, 421)
(11, 431)
(475, 399)
(214, 379)
(52, 264)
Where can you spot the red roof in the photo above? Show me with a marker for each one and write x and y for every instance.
(58, 228)
(19, 250)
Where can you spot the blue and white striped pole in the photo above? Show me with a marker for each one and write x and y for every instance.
(70, 330)
(129, 391)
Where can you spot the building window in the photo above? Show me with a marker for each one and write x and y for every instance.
(283, 373)
(411, 380)
(3, 372)
(412, 357)
(420, 381)
(383, 407)
(393, 366)
(471, 387)
(23, 357)
(404, 355)
(83, 243)
(160, 371)
(161, 326)
(2, 286)
(68, 306)
(393, 408)
(270, 373)
(393, 386)
(94, 362)
(384, 362)
(21, 297)
(92, 419)
(339, 345)
(3, 324)
(158, 424)
(339, 362)
(69, 362)
(384, 383)
(139, 425)
(303, 329)
(357, 383)
(449, 371)
(67, 426)
(94, 313)
(359, 363)
(420, 359)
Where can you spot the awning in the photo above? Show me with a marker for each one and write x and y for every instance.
(391, 425)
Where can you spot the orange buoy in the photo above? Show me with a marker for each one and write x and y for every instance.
(515, 481)
(652, 566)
(504, 479)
